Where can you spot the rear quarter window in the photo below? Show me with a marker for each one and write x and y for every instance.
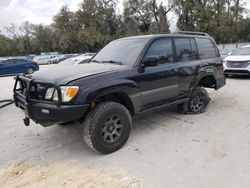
(206, 48)
(185, 49)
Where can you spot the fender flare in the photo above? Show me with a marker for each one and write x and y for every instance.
(127, 87)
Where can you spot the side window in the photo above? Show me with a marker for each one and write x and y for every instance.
(23, 61)
(19, 61)
(206, 48)
(162, 49)
(185, 49)
(9, 62)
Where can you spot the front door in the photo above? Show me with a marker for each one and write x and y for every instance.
(159, 83)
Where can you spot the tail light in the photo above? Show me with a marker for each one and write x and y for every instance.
(34, 62)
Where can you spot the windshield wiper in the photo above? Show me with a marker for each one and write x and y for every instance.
(113, 62)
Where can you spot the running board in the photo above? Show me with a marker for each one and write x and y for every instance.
(163, 105)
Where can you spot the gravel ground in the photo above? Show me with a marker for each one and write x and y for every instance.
(165, 149)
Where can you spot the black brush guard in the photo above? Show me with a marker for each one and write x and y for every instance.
(44, 112)
(24, 99)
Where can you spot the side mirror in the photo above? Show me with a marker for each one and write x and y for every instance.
(150, 62)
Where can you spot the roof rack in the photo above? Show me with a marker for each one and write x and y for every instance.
(191, 33)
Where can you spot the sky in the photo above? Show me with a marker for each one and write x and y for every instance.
(42, 11)
(34, 11)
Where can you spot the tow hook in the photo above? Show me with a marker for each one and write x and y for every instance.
(26, 121)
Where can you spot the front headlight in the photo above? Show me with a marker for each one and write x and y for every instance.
(49, 93)
(68, 93)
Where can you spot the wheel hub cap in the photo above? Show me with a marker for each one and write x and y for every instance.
(112, 129)
(197, 104)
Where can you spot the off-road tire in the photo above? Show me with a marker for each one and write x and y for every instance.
(94, 122)
(199, 94)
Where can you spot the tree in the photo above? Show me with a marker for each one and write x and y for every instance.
(137, 16)
(98, 23)
(217, 17)
(160, 13)
(25, 42)
(43, 39)
(66, 28)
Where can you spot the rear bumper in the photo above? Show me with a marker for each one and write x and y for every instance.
(49, 114)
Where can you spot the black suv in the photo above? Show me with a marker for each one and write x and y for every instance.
(127, 77)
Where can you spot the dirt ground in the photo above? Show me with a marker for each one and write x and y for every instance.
(165, 149)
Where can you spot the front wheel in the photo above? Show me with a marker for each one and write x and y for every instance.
(107, 127)
(197, 103)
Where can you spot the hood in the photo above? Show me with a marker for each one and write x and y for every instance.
(64, 75)
(237, 58)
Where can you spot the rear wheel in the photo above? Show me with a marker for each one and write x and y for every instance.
(107, 127)
(197, 103)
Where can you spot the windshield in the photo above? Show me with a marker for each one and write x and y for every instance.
(123, 52)
(241, 51)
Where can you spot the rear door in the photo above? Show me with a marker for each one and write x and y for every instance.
(187, 63)
(212, 63)
(21, 65)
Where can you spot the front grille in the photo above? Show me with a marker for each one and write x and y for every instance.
(237, 64)
(26, 89)
(37, 91)
(237, 72)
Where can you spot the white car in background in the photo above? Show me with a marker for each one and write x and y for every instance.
(81, 59)
(43, 60)
(238, 63)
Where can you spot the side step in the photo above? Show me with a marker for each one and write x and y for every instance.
(162, 106)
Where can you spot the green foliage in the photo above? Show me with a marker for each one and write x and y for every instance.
(223, 19)
(97, 22)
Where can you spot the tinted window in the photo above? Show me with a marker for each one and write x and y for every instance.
(20, 61)
(9, 62)
(206, 48)
(185, 49)
(162, 49)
